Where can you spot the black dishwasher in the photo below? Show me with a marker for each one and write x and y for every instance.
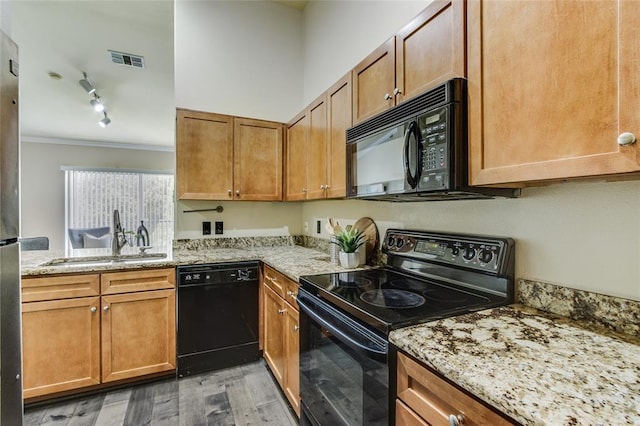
(217, 316)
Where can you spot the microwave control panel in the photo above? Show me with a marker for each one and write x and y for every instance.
(434, 145)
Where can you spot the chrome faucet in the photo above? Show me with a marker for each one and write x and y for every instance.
(119, 238)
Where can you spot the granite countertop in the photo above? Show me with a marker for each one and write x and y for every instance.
(291, 260)
(536, 367)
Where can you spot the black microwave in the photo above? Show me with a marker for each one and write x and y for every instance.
(415, 151)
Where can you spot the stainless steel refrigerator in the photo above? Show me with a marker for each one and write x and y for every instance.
(10, 317)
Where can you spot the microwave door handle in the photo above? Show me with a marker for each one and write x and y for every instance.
(407, 172)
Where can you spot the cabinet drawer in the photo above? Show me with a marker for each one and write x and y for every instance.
(434, 399)
(61, 287)
(406, 417)
(275, 281)
(128, 282)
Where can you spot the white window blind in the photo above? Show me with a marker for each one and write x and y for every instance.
(93, 195)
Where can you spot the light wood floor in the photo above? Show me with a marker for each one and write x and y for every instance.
(245, 395)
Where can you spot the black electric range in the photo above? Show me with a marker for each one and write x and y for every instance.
(346, 317)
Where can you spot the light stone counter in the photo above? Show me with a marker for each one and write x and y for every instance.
(536, 367)
(291, 260)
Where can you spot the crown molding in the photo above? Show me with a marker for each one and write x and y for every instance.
(97, 144)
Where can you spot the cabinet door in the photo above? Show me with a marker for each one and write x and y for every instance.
(292, 348)
(373, 82)
(204, 156)
(296, 167)
(338, 121)
(430, 49)
(61, 345)
(274, 349)
(317, 149)
(257, 160)
(138, 334)
(547, 101)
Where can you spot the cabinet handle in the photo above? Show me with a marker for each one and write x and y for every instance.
(321, 186)
(94, 309)
(237, 192)
(281, 311)
(296, 327)
(397, 92)
(626, 138)
(304, 189)
(229, 192)
(456, 420)
(273, 280)
(387, 97)
(292, 294)
(106, 308)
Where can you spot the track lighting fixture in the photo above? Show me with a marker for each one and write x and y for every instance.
(105, 121)
(86, 84)
(96, 102)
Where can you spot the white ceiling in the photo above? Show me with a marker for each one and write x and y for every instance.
(69, 37)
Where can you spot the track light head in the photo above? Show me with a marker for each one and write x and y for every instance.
(105, 121)
(86, 84)
(96, 103)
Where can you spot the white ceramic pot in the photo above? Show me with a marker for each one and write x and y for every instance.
(349, 260)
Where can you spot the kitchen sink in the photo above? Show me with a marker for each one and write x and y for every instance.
(105, 260)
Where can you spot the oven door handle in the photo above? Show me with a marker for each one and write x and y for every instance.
(412, 179)
(378, 354)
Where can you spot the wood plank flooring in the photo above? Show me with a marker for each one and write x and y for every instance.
(245, 395)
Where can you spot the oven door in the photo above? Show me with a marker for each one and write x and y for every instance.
(344, 371)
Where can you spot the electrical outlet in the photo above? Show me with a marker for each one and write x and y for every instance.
(219, 228)
(206, 228)
(318, 230)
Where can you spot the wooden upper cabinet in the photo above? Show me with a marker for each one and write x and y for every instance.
(548, 101)
(257, 160)
(296, 170)
(430, 49)
(338, 121)
(373, 82)
(204, 155)
(427, 51)
(316, 151)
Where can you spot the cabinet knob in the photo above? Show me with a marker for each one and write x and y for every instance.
(387, 97)
(281, 311)
(292, 294)
(296, 327)
(94, 309)
(626, 138)
(456, 420)
(304, 189)
(237, 192)
(397, 92)
(229, 192)
(321, 186)
(106, 308)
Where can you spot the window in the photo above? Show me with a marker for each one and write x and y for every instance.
(93, 195)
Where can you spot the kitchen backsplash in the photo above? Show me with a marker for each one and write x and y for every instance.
(614, 313)
(235, 242)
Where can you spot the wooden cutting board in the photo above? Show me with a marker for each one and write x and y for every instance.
(370, 232)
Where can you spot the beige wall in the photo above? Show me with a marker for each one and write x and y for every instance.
(42, 181)
(580, 235)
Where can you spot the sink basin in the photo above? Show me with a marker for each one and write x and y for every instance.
(104, 260)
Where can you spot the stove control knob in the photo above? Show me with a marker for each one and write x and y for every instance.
(391, 241)
(469, 253)
(485, 255)
(400, 243)
(455, 251)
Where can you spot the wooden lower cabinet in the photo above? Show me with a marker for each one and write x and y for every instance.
(424, 398)
(61, 345)
(71, 343)
(281, 341)
(138, 334)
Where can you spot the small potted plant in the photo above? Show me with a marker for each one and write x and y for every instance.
(349, 240)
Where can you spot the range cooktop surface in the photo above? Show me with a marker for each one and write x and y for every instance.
(428, 276)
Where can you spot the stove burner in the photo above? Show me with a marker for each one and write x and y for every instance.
(388, 298)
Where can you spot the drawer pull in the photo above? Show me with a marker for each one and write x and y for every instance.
(456, 420)
(292, 294)
(281, 311)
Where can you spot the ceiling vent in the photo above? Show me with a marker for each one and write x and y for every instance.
(127, 59)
